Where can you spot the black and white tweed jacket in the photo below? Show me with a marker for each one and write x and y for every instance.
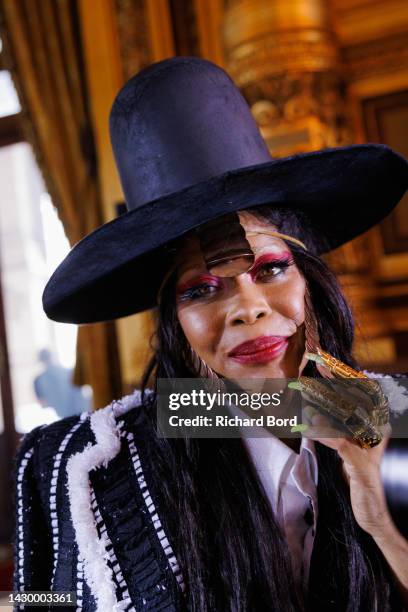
(87, 515)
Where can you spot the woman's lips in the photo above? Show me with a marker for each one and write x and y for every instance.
(259, 350)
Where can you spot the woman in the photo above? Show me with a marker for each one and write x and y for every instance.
(225, 241)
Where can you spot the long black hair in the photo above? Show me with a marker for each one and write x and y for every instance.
(231, 550)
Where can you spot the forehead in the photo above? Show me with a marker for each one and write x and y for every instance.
(190, 257)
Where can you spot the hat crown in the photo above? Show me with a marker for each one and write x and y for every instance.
(177, 123)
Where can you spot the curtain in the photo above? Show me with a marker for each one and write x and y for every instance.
(41, 44)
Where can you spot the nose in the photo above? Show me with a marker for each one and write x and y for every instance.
(249, 303)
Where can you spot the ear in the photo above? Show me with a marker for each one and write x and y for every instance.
(305, 359)
(312, 339)
(311, 331)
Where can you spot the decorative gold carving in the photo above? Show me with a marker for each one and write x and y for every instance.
(284, 57)
(281, 51)
(288, 68)
(300, 111)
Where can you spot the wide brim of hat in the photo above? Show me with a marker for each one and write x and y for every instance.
(117, 270)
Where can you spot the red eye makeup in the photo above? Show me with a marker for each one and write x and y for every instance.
(202, 279)
(201, 286)
(285, 258)
(205, 285)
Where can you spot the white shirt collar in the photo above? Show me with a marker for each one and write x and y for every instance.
(270, 454)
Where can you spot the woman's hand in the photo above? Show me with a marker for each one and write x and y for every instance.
(362, 470)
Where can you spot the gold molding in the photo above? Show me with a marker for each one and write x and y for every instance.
(281, 53)
(381, 57)
(357, 22)
(258, 18)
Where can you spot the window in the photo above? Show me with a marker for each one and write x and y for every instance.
(32, 244)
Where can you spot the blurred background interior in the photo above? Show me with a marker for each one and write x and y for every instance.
(316, 73)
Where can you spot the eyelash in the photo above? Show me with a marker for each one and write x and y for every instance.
(282, 265)
(193, 292)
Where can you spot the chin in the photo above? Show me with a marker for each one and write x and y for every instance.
(267, 370)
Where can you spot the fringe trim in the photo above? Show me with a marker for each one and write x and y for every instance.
(167, 548)
(128, 402)
(53, 492)
(80, 584)
(20, 518)
(92, 550)
(93, 555)
(103, 534)
(396, 393)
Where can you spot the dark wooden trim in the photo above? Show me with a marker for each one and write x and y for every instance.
(10, 130)
(5, 380)
(10, 133)
(8, 438)
(374, 112)
(185, 29)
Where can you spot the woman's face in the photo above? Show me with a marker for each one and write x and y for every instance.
(250, 325)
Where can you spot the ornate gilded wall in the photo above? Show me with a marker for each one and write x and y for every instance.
(316, 73)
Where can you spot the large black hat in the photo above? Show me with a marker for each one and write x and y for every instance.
(188, 150)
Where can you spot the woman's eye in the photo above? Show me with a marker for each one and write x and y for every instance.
(274, 268)
(197, 292)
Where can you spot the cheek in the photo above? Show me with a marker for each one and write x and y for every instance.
(289, 301)
(200, 326)
(204, 326)
(293, 299)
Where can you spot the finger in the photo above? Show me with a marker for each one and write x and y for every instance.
(386, 431)
(324, 427)
(360, 460)
(314, 431)
(308, 412)
(314, 417)
(333, 443)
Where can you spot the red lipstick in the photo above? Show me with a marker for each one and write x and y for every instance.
(259, 350)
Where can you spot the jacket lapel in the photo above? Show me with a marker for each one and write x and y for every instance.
(117, 523)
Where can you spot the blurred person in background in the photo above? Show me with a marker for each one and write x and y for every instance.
(54, 388)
